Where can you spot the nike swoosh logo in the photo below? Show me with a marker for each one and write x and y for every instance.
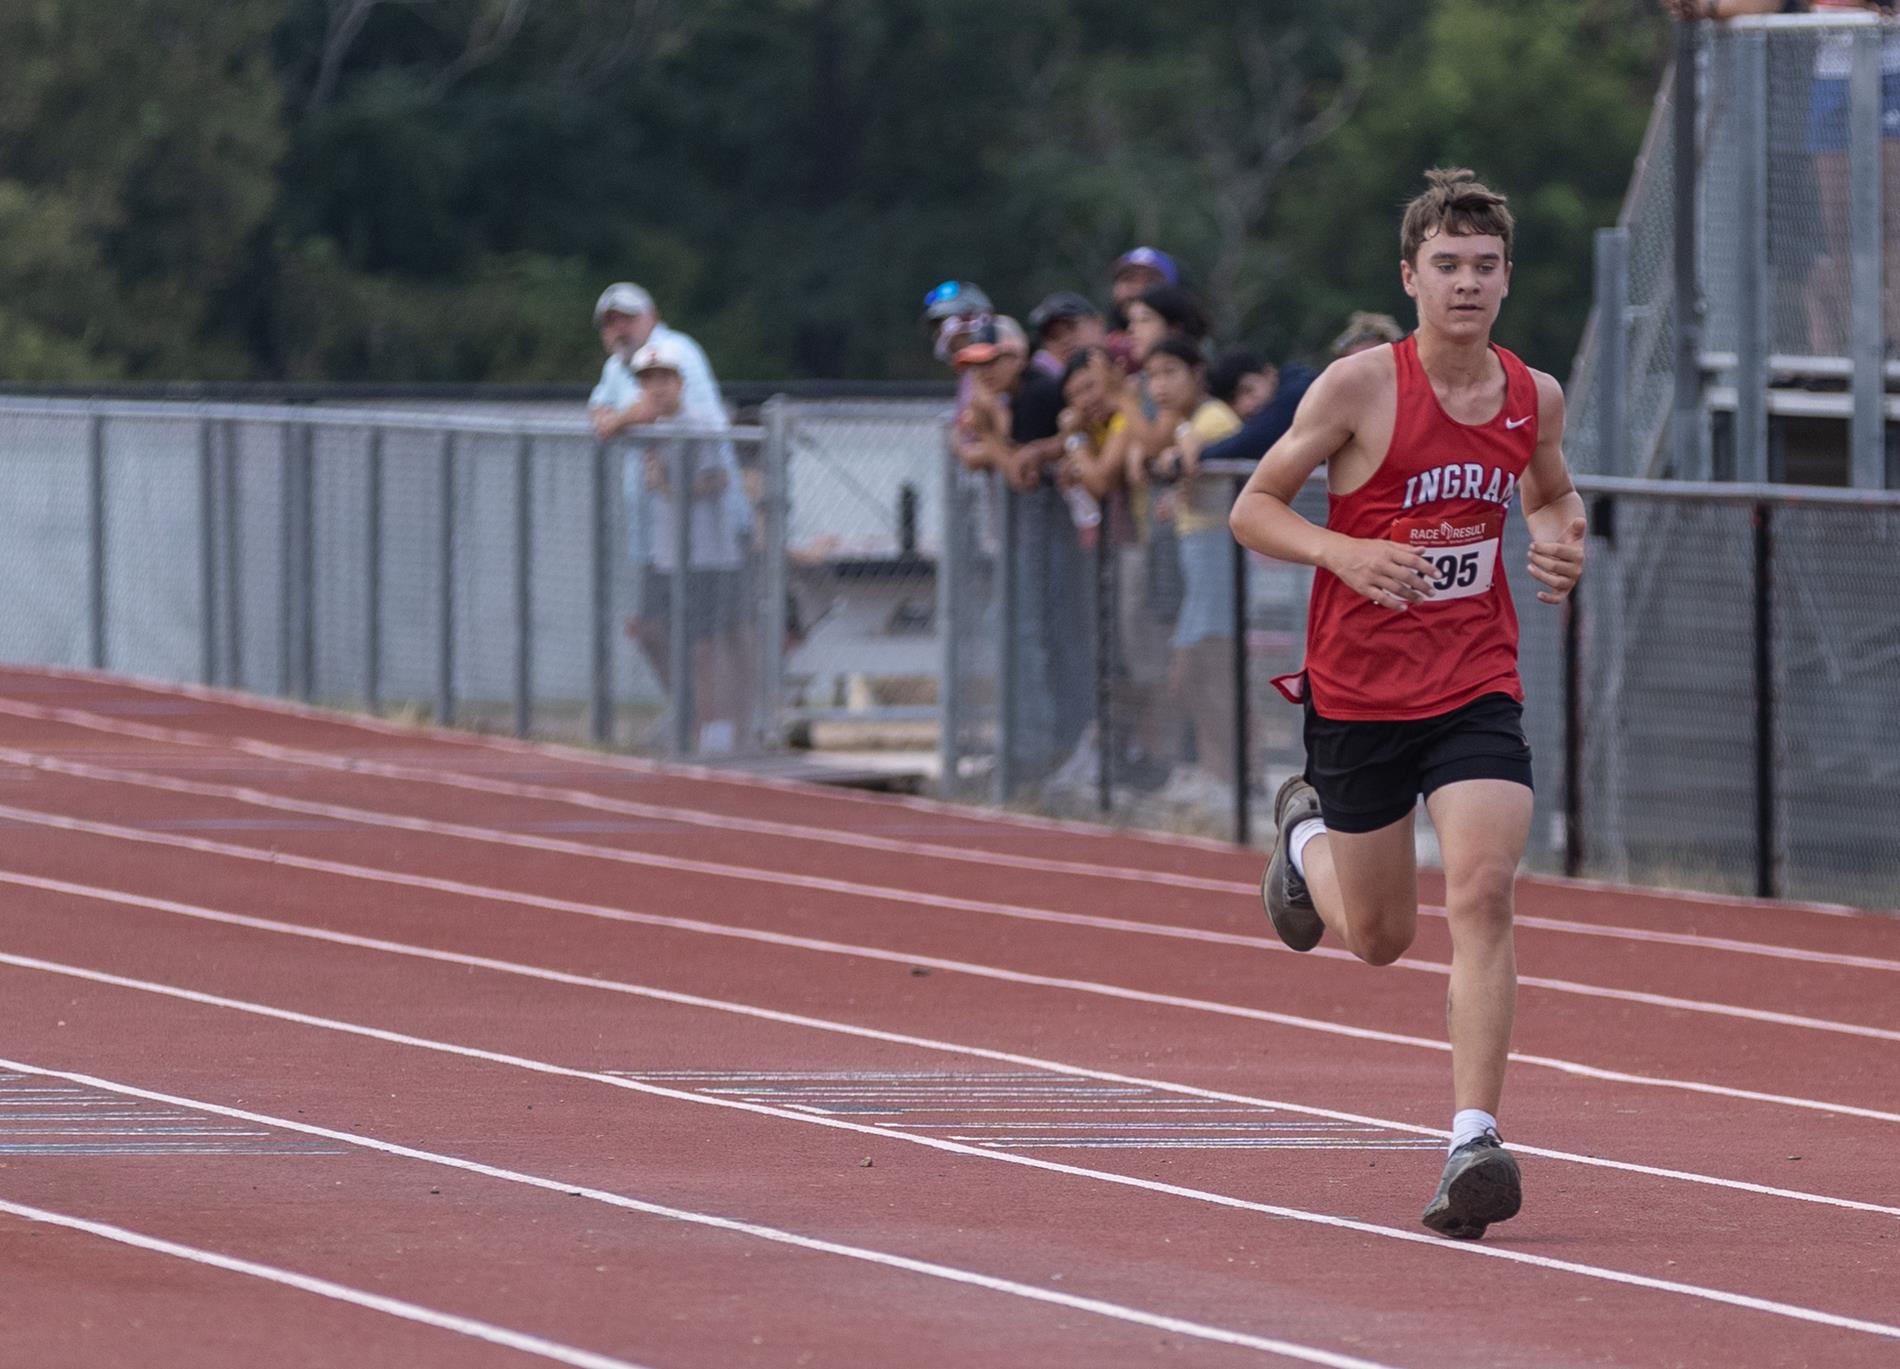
(1517, 422)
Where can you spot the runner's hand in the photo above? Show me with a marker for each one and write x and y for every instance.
(1389, 574)
(1559, 564)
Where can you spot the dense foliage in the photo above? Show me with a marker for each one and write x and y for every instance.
(423, 190)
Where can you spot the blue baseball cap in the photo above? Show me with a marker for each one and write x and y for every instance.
(955, 298)
(1151, 258)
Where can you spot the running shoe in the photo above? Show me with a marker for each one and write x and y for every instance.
(1289, 904)
(1481, 1185)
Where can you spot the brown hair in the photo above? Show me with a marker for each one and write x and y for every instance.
(1455, 203)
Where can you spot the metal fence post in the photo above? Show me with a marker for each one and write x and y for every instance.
(1749, 51)
(776, 507)
(1243, 812)
(1686, 424)
(445, 596)
(231, 541)
(524, 587)
(96, 541)
(1767, 865)
(681, 472)
(950, 594)
(287, 488)
(1573, 734)
(373, 574)
(1612, 306)
(207, 557)
(1867, 436)
(307, 562)
(1003, 773)
(1107, 594)
(600, 710)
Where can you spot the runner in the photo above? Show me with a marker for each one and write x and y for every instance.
(1411, 684)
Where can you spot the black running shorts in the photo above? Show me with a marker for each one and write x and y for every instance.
(1370, 774)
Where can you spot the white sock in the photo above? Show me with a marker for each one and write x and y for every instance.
(1303, 832)
(1469, 1124)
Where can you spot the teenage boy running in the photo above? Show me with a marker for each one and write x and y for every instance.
(1411, 684)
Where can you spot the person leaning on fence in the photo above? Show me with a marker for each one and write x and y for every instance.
(990, 364)
(658, 375)
(1265, 397)
(1200, 671)
(627, 320)
(1052, 668)
(1131, 275)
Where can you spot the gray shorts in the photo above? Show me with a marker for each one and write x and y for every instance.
(715, 602)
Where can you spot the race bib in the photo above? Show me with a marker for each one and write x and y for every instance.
(1463, 549)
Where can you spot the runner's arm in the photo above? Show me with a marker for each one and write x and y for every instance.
(1263, 517)
(1553, 509)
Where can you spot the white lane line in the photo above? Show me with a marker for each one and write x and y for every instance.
(866, 841)
(679, 864)
(690, 925)
(324, 1288)
(1114, 1311)
(1443, 1248)
(447, 739)
(1215, 1100)
(861, 840)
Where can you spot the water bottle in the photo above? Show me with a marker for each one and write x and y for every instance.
(1085, 511)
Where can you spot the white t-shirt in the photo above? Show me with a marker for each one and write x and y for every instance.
(721, 525)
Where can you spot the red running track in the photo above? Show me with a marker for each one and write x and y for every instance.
(330, 1041)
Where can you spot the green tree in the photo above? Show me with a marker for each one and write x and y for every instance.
(138, 148)
(1546, 99)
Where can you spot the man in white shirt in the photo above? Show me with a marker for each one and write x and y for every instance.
(640, 347)
(627, 320)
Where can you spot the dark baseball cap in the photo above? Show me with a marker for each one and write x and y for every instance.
(1063, 304)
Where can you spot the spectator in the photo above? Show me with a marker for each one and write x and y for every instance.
(1364, 331)
(1201, 667)
(683, 392)
(991, 361)
(1053, 689)
(1063, 324)
(1095, 443)
(953, 310)
(628, 321)
(1264, 396)
(716, 547)
(1132, 275)
(1094, 429)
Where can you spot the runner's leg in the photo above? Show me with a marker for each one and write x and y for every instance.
(1365, 888)
(1483, 826)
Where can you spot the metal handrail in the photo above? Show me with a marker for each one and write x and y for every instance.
(387, 419)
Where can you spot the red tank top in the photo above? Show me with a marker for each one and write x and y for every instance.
(1445, 489)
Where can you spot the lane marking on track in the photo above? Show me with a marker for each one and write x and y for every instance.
(561, 846)
(1446, 1249)
(538, 1346)
(844, 949)
(1017, 1110)
(443, 738)
(1114, 1311)
(1212, 1097)
(866, 841)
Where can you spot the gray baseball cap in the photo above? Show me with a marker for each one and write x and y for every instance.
(623, 297)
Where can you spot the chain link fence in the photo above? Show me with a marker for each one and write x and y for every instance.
(1747, 294)
(1715, 712)
(488, 573)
